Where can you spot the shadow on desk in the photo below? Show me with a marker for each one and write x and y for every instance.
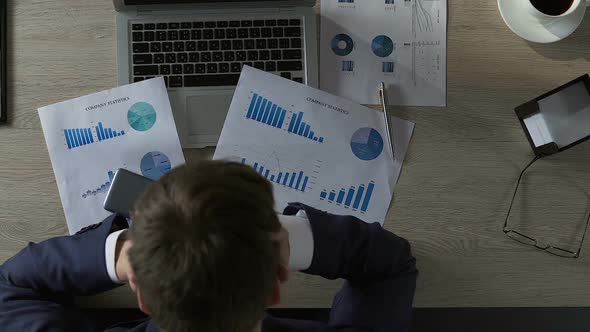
(430, 319)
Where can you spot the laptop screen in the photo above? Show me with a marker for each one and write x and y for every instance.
(162, 2)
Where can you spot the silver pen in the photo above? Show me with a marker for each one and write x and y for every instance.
(383, 98)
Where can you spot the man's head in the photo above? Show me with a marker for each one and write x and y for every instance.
(204, 252)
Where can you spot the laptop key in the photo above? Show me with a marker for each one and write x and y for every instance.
(217, 56)
(202, 46)
(161, 35)
(210, 24)
(289, 65)
(137, 36)
(259, 65)
(166, 80)
(252, 55)
(191, 46)
(246, 23)
(226, 45)
(298, 79)
(173, 26)
(222, 24)
(145, 70)
(198, 25)
(249, 44)
(142, 59)
(234, 24)
(205, 56)
(137, 27)
(170, 57)
(270, 23)
(276, 55)
(286, 75)
(291, 54)
(214, 45)
(254, 32)
(237, 44)
(178, 46)
(155, 47)
(266, 32)
(283, 43)
(175, 81)
(200, 68)
(264, 55)
(277, 32)
(177, 69)
(182, 57)
(167, 46)
(185, 34)
(211, 68)
(188, 68)
(296, 42)
(196, 34)
(250, 64)
(207, 34)
(242, 33)
(161, 26)
(158, 58)
(173, 35)
(260, 43)
(219, 34)
(141, 47)
(235, 67)
(193, 57)
(294, 21)
(186, 25)
(282, 22)
(231, 33)
(211, 80)
(258, 23)
(164, 69)
(273, 43)
(241, 55)
(270, 66)
(138, 79)
(293, 32)
(229, 56)
(149, 26)
(149, 36)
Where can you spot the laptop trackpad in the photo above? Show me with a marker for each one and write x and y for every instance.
(206, 114)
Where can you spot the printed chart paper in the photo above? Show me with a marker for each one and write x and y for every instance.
(400, 42)
(90, 137)
(315, 148)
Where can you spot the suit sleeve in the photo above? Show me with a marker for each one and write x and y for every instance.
(378, 267)
(38, 284)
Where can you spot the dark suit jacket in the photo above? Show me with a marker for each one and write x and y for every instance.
(38, 285)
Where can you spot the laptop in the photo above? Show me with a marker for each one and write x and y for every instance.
(200, 47)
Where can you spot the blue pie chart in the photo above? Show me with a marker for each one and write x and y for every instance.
(366, 143)
(342, 44)
(155, 164)
(141, 116)
(382, 46)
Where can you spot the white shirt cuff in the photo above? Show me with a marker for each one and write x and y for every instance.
(300, 240)
(110, 248)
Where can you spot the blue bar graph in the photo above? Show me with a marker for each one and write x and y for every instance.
(77, 137)
(348, 198)
(102, 189)
(266, 112)
(296, 180)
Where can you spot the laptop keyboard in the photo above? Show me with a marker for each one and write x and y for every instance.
(212, 53)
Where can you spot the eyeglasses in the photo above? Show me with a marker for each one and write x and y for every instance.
(525, 239)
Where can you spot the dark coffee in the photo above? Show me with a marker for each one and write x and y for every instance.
(552, 7)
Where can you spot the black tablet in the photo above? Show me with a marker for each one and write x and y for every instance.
(3, 26)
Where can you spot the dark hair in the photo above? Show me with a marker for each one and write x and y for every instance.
(202, 252)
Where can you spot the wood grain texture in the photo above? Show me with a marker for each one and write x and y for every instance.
(454, 190)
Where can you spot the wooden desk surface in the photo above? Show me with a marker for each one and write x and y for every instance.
(456, 183)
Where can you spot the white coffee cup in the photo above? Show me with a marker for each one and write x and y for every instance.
(577, 5)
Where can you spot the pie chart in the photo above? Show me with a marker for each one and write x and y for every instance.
(155, 164)
(141, 116)
(342, 44)
(382, 46)
(366, 143)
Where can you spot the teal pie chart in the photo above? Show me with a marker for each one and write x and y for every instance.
(155, 164)
(366, 143)
(382, 46)
(141, 116)
(342, 44)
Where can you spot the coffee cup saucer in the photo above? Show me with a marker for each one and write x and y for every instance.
(528, 27)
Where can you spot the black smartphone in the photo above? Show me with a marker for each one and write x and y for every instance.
(3, 46)
(125, 189)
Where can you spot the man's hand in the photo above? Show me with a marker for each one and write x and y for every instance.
(122, 265)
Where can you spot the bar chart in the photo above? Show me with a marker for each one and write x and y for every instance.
(352, 197)
(296, 180)
(78, 137)
(266, 112)
(103, 188)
